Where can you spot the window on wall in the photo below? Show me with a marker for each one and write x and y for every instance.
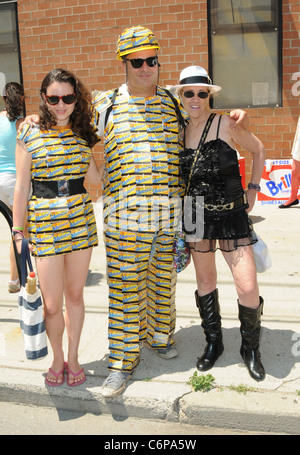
(10, 67)
(245, 52)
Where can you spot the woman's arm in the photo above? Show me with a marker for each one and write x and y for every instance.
(94, 175)
(253, 145)
(22, 187)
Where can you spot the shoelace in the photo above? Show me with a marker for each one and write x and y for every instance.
(115, 378)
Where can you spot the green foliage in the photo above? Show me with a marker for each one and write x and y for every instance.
(204, 383)
(241, 388)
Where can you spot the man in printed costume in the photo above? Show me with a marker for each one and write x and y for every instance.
(140, 125)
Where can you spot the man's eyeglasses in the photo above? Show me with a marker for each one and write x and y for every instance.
(67, 99)
(138, 62)
(191, 94)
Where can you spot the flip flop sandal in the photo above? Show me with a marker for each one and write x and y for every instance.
(75, 384)
(56, 384)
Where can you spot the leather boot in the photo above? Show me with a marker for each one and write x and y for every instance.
(250, 330)
(209, 310)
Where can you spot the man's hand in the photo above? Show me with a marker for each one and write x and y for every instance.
(241, 119)
(29, 120)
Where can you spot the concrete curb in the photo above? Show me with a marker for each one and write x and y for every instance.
(257, 411)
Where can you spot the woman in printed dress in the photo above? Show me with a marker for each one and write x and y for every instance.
(55, 157)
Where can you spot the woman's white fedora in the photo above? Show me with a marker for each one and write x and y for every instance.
(197, 76)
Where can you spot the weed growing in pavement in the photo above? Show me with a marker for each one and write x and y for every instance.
(204, 383)
(241, 388)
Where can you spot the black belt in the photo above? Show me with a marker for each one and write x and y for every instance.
(49, 189)
(229, 206)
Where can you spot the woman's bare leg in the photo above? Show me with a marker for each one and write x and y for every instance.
(75, 274)
(51, 280)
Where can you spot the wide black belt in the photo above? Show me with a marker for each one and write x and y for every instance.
(49, 189)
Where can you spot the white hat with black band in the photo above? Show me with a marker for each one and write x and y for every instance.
(196, 76)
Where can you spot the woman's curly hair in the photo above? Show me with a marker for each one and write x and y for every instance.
(14, 97)
(81, 117)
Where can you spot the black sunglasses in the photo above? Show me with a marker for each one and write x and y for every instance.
(138, 62)
(191, 94)
(67, 99)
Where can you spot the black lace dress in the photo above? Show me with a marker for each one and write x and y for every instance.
(218, 219)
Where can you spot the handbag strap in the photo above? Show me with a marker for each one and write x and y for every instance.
(25, 260)
(201, 142)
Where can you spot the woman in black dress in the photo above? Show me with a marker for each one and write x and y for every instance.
(218, 209)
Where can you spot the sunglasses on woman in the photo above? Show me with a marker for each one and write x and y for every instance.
(191, 94)
(67, 99)
(138, 62)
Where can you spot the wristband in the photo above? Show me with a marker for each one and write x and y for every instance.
(15, 231)
(253, 186)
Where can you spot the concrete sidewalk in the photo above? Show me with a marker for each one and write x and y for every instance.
(159, 387)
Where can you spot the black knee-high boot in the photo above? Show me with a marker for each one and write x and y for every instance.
(250, 330)
(209, 310)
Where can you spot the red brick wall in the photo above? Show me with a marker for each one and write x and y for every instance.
(83, 39)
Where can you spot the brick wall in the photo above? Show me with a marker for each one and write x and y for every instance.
(83, 39)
